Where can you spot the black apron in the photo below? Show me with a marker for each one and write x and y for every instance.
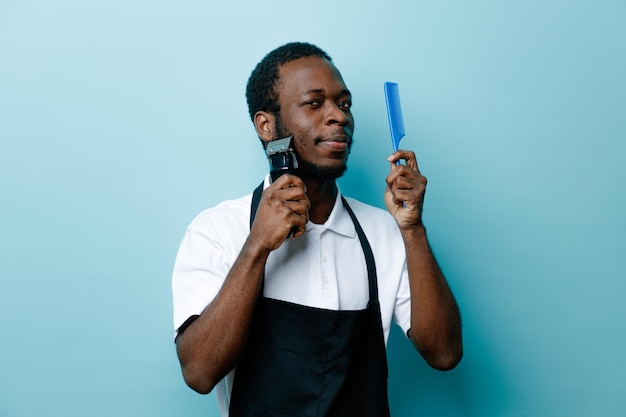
(302, 361)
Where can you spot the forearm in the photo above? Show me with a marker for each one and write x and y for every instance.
(210, 347)
(435, 318)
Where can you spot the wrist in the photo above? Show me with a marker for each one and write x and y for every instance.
(416, 232)
(256, 249)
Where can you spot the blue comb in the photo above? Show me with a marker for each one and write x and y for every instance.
(394, 111)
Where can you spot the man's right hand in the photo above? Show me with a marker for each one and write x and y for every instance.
(284, 207)
(212, 345)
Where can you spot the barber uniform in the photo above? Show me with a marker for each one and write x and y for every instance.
(303, 361)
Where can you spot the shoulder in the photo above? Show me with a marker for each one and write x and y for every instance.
(230, 217)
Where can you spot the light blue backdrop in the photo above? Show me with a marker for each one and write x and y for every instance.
(121, 120)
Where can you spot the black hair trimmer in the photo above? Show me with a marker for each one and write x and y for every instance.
(281, 157)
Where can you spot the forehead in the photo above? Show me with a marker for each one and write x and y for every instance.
(310, 74)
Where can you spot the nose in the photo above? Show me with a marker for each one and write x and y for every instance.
(337, 115)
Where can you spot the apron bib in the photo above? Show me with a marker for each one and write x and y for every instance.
(304, 361)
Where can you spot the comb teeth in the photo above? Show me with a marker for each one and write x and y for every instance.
(394, 111)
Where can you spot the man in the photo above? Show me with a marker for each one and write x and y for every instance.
(283, 299)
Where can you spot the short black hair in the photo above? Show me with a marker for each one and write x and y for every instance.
(261, 91)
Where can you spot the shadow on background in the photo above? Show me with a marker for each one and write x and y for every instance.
(415, 389)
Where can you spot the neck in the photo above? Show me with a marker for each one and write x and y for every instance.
(322, 195)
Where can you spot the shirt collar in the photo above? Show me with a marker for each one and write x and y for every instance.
(339, 220)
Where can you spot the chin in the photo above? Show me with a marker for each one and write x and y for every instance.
(321, 172)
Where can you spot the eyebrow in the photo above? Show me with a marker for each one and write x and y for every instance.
(343, 92)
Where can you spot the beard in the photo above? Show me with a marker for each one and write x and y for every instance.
(307, 169)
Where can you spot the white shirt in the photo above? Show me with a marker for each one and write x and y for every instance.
(324, 268)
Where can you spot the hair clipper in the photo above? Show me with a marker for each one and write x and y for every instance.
(281, 157)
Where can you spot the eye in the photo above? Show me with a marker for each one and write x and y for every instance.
(346, 104)
(314, 103)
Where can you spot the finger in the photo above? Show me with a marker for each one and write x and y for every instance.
(289, 193)
(407, 156)
(292, 194)
(405, 188)
(411, 161)
(404, 177)
(298, 222)
(299, 207)
(298, 230)
(406, 195)
(414, 180)
(289, 181)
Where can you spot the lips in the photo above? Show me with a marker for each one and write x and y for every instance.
(342, 139)
(336, 145)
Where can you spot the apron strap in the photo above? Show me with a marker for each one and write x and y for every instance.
(367, 251)
(256, 198)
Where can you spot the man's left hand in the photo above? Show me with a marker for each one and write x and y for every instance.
(404, 196)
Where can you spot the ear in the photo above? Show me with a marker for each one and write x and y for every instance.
(265, 124)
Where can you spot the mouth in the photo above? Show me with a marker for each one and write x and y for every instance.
(340, 139)
(336, 143)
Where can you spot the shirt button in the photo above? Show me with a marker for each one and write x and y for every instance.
(325, 280)
(324, 259)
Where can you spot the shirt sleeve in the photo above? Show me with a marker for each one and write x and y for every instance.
(205, 256)
(402, 309)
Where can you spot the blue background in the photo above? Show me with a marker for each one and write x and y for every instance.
(121, 120)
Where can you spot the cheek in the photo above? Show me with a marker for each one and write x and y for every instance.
(301, 146)
(304, 134)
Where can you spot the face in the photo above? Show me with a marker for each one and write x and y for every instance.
(315, 109)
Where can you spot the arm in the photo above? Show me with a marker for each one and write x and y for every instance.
(435, 318)
(210, 347)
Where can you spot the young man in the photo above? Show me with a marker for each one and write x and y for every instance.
(283, 299)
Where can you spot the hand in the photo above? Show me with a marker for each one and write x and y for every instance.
(284, 207)
(404, 196)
